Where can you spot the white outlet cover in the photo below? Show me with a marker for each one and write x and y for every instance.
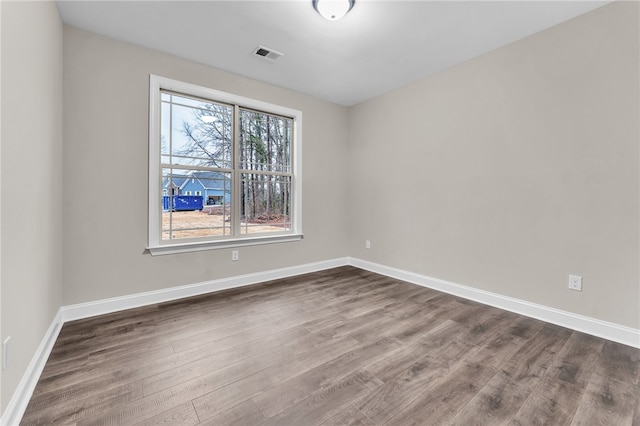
(575, 282)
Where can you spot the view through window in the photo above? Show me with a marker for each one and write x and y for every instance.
(226, 170)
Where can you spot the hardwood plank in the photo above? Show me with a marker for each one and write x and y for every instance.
(119, 354)
(525, 327)
(349, 417)
(230, 373)
(182, 415)
(301, 386)
(552, 402)
(426, 296)
(636, 414)
(327, 402)
(108, 375)
(576, 361)
(79, 328)
(606, 401)
(531, 361)
(202, 360)
(440, 401)
(243, 414)
(147, 407)
(70, 409)
(469, 315)
(246, 329)
(372, 297)
(375, 318)
(111, 375)
(89, 385)
(437, 342)
(620, 362)
(328, 322)
(496, 403)
(99, 339)
(497, 350)
(485, 325)
(69, 395)
(390, 398)
(404, 321)
(238, 391)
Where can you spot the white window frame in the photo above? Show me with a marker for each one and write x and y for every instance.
(156, 245)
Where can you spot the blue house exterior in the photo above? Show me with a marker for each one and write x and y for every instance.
(214, 187)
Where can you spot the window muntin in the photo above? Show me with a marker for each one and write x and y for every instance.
(235, 154)
(265, 142)
(265, 172)
(266, 203)
(195, 132)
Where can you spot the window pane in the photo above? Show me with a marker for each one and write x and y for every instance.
(265, 142)
(266, 203)
(165, 129)
(195, 216)
(226, 170)
(196, 133)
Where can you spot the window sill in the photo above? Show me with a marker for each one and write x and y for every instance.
(222, 244)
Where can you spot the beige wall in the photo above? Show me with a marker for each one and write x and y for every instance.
(513, 170)
(31, 179)
(105, 174)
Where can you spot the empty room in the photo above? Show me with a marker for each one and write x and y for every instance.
(320, 212)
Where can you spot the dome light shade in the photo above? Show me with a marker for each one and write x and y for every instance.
(333, 10)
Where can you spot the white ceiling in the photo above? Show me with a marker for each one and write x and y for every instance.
(380, 45)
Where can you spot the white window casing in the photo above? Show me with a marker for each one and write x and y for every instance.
(159, 246)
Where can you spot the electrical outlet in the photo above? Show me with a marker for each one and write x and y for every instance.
(5, 353)
(235, 255)
(575, 283)
(367, 244)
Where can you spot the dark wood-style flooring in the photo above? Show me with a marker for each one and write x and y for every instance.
(337, 347)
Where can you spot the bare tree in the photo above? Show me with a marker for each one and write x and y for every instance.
(264, 149)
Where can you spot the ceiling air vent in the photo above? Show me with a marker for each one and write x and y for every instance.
(266, 53)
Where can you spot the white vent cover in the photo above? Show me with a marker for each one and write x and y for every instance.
(266, 53)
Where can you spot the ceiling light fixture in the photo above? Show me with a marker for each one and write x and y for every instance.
(333, 10)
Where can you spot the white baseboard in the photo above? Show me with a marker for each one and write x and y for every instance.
(607, 330)
(20, 398)
(114, 304)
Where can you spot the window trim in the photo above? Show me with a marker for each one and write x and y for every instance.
(156, 246)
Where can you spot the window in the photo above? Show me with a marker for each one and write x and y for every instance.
(241, 159)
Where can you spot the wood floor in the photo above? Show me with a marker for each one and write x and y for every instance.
(337, 347)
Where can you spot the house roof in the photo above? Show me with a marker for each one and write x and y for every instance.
(177, 180)
(212, 180)
(208, 180)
